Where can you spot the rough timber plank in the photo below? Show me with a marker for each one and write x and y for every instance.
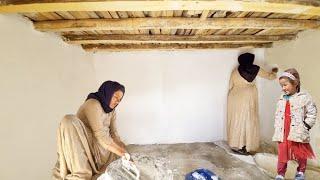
(307, 7)
(128, 47)
(174, 23)
(104, 39)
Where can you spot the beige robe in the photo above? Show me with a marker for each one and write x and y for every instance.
(83, 141)
(243, 123)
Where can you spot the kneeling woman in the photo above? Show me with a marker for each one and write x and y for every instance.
(88, 141)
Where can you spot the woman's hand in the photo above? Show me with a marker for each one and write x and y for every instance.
(275, 70)
(127, 157)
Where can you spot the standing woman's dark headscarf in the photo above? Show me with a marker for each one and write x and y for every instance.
(105, 93)
(246, 68)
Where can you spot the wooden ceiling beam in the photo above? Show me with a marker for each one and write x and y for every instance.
(304, 7)
(125, 39)
(173, 23)
(135, 47)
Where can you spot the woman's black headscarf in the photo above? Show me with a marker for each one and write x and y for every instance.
(246, 68)
(105, 93)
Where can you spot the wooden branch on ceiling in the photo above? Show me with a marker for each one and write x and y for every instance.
(134, 47)
(173, 23)
(124, 39)
(303, 7)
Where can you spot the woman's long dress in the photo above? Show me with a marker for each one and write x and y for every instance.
(82, 143)
(243, 122)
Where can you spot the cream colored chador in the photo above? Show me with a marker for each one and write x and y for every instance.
(88, 141)
(242, 121)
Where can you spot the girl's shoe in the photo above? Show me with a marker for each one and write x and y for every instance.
(279, 177)
(299, 176)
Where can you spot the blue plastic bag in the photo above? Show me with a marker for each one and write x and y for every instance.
(201, 174)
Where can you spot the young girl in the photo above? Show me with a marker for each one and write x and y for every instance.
(295, 115)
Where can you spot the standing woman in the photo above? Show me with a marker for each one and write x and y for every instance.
(88, 141)
(243, 123)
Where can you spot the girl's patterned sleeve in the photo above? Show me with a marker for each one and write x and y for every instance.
(310, 112)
